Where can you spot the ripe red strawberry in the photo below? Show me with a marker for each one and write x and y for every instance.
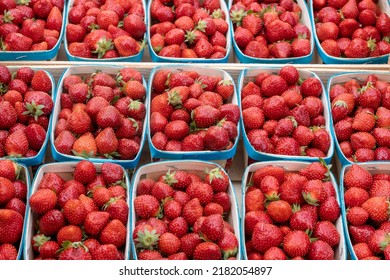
(147, 206)
(228, 244)
(358, 177)
(43, 200)
(320, 250)
(118, 209)
(113, 233)
(16, 144)
(218, 180)
(377, 208)
(85, 145)
(168, 244)
(8, 252)
(192, 211)
(207, 251)
(51, 222)
(279, 211)
(212, 228)
(216, 138)
(378, 240)
(95, 221)
(296, 244)
(362, 250)
(357, 216)
(84, 172)
(326, 231)
(360, 234)
(316, 170)
(74, 211)
(11, 226)
(265, 236)
(329, 210)
(355, 196)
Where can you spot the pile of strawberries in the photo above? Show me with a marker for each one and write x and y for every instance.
(180, 216)
(13, 195)
(270, 30)
(25, 108)
(291, 215)
(82, 217)
(188, 29)
(105, 29)
(30, 25)
(190, 111)
(352, 28)
(361, 118)
(101, 115)
(283, 114)
(366, 201)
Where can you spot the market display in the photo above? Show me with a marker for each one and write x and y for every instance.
(121, 124)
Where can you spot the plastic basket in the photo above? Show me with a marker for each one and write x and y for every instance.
(40, 156)
(343, 78)
(37, 55)
(77, 70)
(305, 19)
(157, 58)
(245, 76)
(65, 170)
(292, 166)
(154, 170)
(328, 59)
(197, 155)
(373, 168)
(133, 58)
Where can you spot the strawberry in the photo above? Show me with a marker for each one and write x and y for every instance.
(326, 231)
(147, 206)
(51, 222)
(85, 172)
(316, 170)
(207, 251)
(192, 211)
(149, 255)
(74, 211)
(302, 219)
(8, 252)
(378, 240)
(168, 244)
(106, 142)
(9, 116)
(320, 250)
(357, 216)
(362, 250)
(360, 234)
(64, 142)
(357, 176)
(377, 208)
(113, 233)
(296, 244)
(279, 211)
(218, 180)
(212, 228)
(95, 221)
(43, 200)
(265, 236)
(74, 251)
(216, 138)
(11, 225)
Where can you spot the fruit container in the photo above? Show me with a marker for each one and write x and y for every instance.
(23, 176)
(305, 19)
(380, 167)
(38, 54)
(158, 58)
(155, 170)
(40, 156)
(340, 252)
(222, 157)
(384, 6)
(132, 58)
(65, 170)
(250, 154)
(341, 79)
(88, 70)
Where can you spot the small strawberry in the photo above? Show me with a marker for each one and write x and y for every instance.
(296, 244)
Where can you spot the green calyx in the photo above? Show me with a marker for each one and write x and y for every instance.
(40, 239)
(68, 244)
(310, 199)
(328, 167)
(83, 154)
(7, 18)
(215, 173)
(218, 13)
(135, 105)
(102, 46)
(225, 82)
(3, 88)
(169, 178)
(201, 26)
(340, 103)
(111, 201)
(33, 109)
(23, 2)
(174, 98)
(237, 16)
(371, 44)
(146, 239)
(190, 37)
